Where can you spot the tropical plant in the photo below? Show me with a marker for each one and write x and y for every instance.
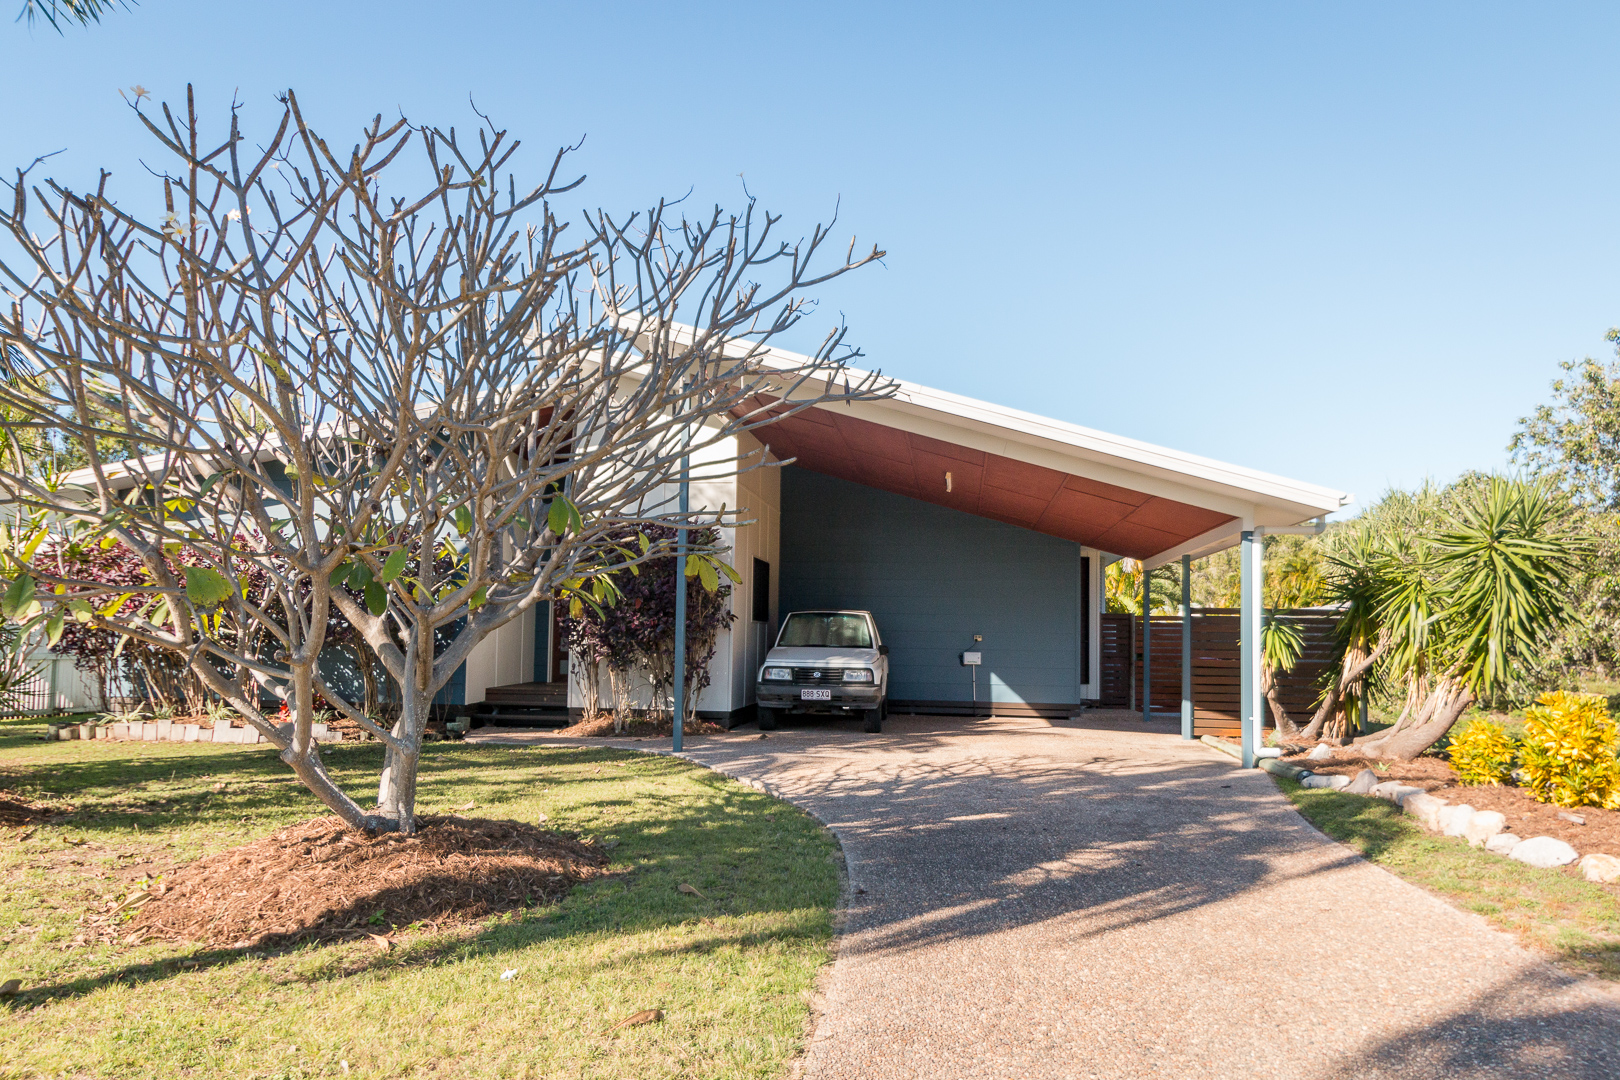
(1569, 752)
(1483, 753)
(1281, 646)
(1352, 584)
(1468, 608)
(57, 12)
(1122, 588)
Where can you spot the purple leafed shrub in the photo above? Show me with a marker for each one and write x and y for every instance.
(637, 634)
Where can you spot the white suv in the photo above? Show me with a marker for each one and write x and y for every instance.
(826, 662)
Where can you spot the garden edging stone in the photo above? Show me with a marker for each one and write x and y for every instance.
(1603, 869)
(1544, 852)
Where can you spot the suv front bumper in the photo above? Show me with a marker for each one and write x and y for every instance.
(845, 697)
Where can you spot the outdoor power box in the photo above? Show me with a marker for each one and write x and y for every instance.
(972, 659)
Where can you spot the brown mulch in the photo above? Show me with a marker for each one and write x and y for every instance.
(601, 727)
(1525, 816)
(320, 880)
(18, 809)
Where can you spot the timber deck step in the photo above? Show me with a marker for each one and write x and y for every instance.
(532, 695)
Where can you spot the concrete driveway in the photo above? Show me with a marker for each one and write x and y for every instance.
(1101, 899)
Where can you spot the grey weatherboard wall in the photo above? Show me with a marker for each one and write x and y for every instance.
(934, 577)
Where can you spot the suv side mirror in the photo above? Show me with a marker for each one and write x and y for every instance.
(883, 650)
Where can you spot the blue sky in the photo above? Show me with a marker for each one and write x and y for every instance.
(1347, 243)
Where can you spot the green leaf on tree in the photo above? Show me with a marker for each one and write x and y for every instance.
(376, 598)
(17, 598)
(341, 574)
(479, 597)
(708, 575)
(394, 567)
(207, 588)
(463, 519)
(54, 626)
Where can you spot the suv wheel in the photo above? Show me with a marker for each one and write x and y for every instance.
(767, 718)
(874, 720)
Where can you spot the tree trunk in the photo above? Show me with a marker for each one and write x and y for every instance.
(1426, 725)
(1279, 715)
(396, 788)
(1332, 701)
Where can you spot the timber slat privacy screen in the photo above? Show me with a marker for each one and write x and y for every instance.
(1215, 663)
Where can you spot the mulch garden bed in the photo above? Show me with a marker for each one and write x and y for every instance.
(601, 727)
(18, 809)
(1525, 816)
(320, 880)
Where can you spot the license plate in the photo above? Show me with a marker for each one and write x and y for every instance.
(815, 695)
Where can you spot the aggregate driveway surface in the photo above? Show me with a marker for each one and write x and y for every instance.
(1098, 898)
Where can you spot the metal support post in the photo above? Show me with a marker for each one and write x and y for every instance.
(1251, 567)
(1186, 648)
(680, 610)
(1147, 646)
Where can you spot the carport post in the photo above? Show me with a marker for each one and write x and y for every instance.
(1186, 648)
(680, 612)
(1147, 645)
(1250, 568)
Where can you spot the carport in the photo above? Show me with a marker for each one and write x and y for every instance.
(967, 526)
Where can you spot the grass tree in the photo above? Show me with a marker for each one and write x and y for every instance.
(386, 378)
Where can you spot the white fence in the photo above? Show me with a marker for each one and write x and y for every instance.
(55, 687)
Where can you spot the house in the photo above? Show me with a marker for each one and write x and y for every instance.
(961, 525)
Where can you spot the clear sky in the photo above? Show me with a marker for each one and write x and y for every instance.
(1348, 243)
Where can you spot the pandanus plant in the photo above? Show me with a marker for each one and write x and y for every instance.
(1468, 607)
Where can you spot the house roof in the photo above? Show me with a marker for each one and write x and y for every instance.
(1118, 495)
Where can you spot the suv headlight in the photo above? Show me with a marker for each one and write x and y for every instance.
(778, 674)
(857, 674)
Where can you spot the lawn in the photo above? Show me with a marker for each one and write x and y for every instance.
(1557, 912)
(733, 973)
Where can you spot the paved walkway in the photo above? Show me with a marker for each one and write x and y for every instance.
(1097, 899)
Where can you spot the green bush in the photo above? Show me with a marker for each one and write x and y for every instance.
(1570, 743)
(1483, 753)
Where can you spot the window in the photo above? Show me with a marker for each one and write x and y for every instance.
(762, 591)
(825, 629)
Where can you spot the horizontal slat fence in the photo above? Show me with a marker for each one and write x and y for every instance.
(1216, 679)
(1118, 639)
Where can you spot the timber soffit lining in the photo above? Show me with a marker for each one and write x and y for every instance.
(1098, 515)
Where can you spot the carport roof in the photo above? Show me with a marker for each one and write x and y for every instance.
(1118, 495)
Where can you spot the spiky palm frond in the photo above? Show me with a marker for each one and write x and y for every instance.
(56, 12)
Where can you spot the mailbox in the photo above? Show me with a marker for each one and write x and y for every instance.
(972, 659)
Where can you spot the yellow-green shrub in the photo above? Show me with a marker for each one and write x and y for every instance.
(1568, 756)
(1483, 753)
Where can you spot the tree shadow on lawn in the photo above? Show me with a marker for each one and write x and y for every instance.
(751, 855)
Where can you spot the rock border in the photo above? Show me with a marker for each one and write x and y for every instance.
(1480, 828)
(169, 731)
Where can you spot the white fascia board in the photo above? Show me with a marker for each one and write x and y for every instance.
(1114, 459)
(1219, 538)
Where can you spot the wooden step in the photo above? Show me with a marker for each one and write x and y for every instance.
(533, 695)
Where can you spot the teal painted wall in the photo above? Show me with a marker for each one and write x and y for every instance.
(934, 577)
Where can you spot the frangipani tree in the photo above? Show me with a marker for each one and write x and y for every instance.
(390, 369)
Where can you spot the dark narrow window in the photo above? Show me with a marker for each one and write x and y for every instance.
(762, 591)
(1085, 620)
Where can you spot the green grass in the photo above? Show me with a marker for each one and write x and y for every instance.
(733, 973)
(1576, 921)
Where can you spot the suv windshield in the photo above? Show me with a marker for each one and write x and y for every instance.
(817, 629)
